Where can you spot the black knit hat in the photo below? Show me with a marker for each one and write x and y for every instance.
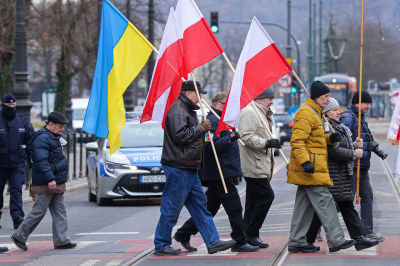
(9, 98)
(189, 86)
(318, 89)
(365, 97)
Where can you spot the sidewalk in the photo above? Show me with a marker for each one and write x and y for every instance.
(71, 186)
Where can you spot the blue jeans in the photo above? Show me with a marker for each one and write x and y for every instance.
(183, 187)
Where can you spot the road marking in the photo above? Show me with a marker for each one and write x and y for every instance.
(11, 248)
(108, 233)
(83, 244)
(30, 235)
(90, 263)
(114, 263)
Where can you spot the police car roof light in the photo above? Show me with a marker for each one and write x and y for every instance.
(132, 115)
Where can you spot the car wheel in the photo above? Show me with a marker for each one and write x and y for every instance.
(99, 200)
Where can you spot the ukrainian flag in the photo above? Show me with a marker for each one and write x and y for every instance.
(123, 51)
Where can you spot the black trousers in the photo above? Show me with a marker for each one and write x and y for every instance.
(350, 217)
(259, 198)
(215, 197)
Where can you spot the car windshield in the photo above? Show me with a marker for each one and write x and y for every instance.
(78, 114)
(141, 135)
(284, 118)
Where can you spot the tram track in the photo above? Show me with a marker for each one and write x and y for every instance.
(145, 254)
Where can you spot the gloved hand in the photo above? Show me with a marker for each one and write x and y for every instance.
(234, 135)
(308, 167)
(205, 125)
(359, 153)
(358, 143)
(335, 137)
(273, 143)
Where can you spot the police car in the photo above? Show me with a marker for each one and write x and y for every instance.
(133, 171)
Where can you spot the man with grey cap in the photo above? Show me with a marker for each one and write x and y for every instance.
(49, 175)
(227, 150)
(257, 162)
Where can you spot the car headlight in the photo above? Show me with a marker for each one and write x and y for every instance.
(111, 166)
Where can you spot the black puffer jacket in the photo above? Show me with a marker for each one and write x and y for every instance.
(183, 138)
(339, 154)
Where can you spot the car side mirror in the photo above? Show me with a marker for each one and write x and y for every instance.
(279, 124)
(92, 146)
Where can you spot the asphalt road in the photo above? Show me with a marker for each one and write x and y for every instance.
(115, 234)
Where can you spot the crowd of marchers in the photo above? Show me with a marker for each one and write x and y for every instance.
(323, 160)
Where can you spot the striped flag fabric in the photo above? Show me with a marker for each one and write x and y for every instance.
(169, 68)
(260, 65)
(122, 53)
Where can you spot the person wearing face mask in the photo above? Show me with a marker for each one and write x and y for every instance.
(341, 157)
(15, 134)
(49, 175)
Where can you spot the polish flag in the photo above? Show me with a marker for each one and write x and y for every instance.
(260, 65)
(169, 68)
(199, 41)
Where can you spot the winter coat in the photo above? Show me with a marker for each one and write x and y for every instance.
(253, 160)
(227, 151)
(14, 133)
(309, 144)
(350, 119)
(183, 138)
(49, 162)
(339, 154)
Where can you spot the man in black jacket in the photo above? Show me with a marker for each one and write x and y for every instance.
(49, 175)
(228, 155)
(182, 155)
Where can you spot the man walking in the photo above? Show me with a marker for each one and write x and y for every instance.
(350, 119)
(15, 134)
(308, 169)
(182, 155)
(257, 162)
(228, 155)
(49, 175)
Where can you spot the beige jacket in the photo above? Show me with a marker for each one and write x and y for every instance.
(253, 160)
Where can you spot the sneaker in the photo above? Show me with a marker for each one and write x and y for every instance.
(221, 246)
(66, 246)
(19, 244)
(375, 236)
(168, 251)
(305, 249)
(347, 244)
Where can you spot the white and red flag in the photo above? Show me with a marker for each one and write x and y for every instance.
(200, 44)
(169, 68)
(260, 65)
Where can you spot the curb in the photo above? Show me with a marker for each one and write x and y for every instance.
(28, 199)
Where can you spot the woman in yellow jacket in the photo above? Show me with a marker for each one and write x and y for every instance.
(308, 168)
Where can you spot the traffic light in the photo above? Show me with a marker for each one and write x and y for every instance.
(293, 89)
(51, 90)
(214, 22)
(295, 86)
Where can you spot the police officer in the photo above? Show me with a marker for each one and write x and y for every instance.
(15, 133)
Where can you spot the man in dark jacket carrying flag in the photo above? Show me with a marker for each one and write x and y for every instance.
(229, 158)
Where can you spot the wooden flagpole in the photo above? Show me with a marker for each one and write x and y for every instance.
(258, 113)
(210, 136)
(359, 101)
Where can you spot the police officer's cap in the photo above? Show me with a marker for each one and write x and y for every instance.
(57, 118)
(9, 98)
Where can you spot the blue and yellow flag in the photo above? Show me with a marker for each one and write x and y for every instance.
(123, 52)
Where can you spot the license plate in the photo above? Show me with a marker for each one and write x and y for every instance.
(152, 179)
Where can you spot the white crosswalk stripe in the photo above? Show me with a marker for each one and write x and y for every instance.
(90, 262)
